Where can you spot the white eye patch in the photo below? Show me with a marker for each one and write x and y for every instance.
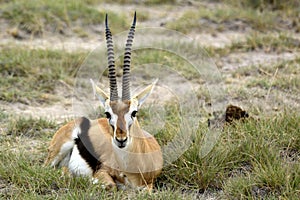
(128, 119)
(130, 115)
(113, 118)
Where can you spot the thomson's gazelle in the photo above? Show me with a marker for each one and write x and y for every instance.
(113, 149)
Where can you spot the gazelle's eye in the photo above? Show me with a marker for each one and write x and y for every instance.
(108, 116)
(133, 114)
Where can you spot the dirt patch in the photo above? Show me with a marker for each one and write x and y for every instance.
(239, 60)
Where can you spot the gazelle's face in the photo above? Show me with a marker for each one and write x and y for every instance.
(121, 115)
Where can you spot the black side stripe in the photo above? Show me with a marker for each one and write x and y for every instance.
(85, 147)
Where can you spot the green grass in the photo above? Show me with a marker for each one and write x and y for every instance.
(273, 173)
(268, 43)
(165, 58)
(247, 153)
(254, 159)
(34, 73)
(282, 76)
(36, 17)
(258, 15)
(145, 2)
(30, 127)
(288, 83)
(220, 19)
(289, 67)
(266, 4)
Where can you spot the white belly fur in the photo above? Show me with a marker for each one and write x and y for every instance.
(78, 166)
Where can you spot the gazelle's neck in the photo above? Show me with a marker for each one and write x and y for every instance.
(142, 154)
(135, 130)
(139, 139)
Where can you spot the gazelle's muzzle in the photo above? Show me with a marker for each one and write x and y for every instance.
(120, 142)
(120, 137)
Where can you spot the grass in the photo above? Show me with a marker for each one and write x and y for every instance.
(272, 172)
(145, 2)
(39, 16)
(289, 67)
(266, 4)
(268, 43)
(237, 16)
(222, 18)
(282, 76)
(34, 73)
(254, 159)
(282, 82)
(30, 127)
(173, 61)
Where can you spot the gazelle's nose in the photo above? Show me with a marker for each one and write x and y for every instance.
(121, 142)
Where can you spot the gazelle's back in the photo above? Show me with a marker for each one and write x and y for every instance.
(65, 138)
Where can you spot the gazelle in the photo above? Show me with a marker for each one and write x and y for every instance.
(113, 149)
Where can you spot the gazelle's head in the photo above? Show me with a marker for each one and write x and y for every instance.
(121, 112)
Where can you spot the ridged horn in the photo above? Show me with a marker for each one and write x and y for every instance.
(111, 64)
(126, 66)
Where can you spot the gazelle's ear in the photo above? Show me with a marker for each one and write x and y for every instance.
(100, 94)
(142, 96)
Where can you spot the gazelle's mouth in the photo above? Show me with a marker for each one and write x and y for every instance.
(121, 143)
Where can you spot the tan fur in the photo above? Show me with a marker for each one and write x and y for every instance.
(63, 135)
(136, 164)
(120, 108)
(145, 157)
(144, 154)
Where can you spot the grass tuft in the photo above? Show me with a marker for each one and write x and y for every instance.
(241, 16)
(34, 73)
(268, 43)
(30, 127)
(224, 18)
(246, 160)
(36, 17)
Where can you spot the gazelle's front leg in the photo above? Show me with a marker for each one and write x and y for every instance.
(104, 178)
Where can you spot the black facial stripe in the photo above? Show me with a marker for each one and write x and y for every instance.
(85, 146)
(112, 127)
